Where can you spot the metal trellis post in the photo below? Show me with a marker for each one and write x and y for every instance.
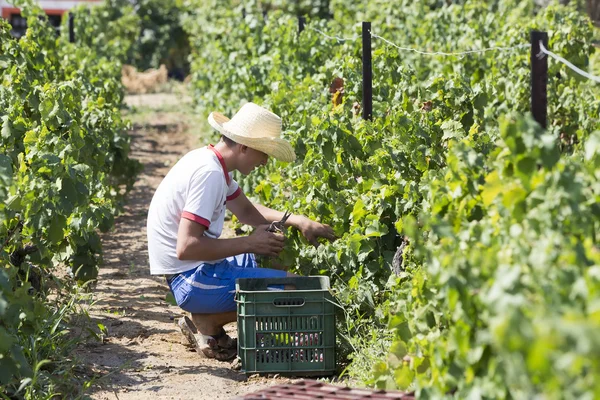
(367, 104)
(71, 28)
(539, 79)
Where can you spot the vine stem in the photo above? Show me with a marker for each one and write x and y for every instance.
(19, 226)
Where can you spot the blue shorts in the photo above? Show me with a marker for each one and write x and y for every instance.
(209, 288)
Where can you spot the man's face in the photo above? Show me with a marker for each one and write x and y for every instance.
(250, 159)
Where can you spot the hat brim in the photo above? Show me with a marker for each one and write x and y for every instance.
(274, 147)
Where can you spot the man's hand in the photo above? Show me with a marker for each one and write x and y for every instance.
(312, 230)
(266, 243)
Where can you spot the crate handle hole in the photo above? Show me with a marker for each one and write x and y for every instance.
(289, 302)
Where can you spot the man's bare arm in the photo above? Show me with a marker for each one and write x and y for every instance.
(247, 212)
(193, 245)
(256, 214)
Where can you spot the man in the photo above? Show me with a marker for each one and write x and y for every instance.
(186, 217)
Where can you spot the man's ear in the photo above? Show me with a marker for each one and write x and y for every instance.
(243, 148)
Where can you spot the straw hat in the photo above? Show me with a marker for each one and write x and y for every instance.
(255, 127)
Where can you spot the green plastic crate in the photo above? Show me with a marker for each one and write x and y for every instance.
(289, 332)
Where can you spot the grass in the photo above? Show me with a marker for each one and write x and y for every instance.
(168, 108)
(50, 346)
(60, 323)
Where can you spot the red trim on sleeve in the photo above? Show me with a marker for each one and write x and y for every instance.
(195, 218)
(235, 194)
(222, 161)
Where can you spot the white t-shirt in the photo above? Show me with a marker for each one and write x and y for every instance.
(196, 188)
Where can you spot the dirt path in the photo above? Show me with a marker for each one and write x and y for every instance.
(142, 354)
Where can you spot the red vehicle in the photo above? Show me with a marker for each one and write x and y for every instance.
(54, 9)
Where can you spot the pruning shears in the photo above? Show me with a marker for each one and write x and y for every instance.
(279, 226)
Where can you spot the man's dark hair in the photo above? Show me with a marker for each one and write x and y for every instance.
(228, 142)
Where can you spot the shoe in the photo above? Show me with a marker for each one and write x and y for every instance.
(220, 347)
(236, 365)
(225, 341)
(219, 354)
(189, 330)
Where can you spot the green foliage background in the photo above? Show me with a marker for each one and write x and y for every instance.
(64, 171)
(142, 33)
(499, 289)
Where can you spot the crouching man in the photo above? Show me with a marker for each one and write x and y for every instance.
(186, 218)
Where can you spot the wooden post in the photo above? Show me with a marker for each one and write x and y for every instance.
(367, 104)
(539, 79)
(301, 23)
(71, 28)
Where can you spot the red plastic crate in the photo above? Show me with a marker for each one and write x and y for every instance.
(310, 389)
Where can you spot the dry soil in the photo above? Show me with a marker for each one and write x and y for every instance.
(143, 355)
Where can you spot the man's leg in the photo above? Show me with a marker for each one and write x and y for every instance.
(207, 292)
(212, 324)
(205, 333)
